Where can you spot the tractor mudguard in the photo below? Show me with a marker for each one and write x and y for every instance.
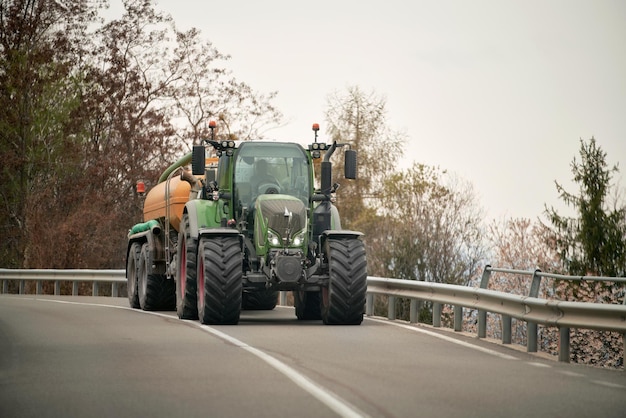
(341, 233)
(220, 232)
(202, 214)
(154, 240)
(338, 234)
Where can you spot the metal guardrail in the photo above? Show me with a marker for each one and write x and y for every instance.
(537, 275)
(533, 310)
(114, 277)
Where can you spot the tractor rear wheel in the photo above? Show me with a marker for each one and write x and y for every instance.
(262, 300)
(132, 266)
(186, 271)
(343, 300)
(219, 280)
(154, 290)
(307, 305)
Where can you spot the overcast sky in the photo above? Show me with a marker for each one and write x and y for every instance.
(499, 92)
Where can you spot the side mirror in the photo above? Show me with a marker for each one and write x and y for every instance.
(198, 160)
(350, 165)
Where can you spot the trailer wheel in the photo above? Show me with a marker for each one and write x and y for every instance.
(219, 280)
(186, 271)
(343, 300)
(132, 265)
(307, 305)
(154, 290)
(262, 300)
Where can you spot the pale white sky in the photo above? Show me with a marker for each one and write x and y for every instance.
(499, 92)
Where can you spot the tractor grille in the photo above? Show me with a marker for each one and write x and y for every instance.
(274, 211)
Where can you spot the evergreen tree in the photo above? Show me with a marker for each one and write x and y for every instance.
(593, 243)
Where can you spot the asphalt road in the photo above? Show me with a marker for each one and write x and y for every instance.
(86, 356)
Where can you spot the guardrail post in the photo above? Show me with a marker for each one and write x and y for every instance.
(482, 324)
(532, 327)
(369, 304)
(38, 288)
(506, 329)
(458, 318)
(57, 287)
(113, 290)
(74, 288)
(21, 287)
(536, 284)
(436, 315)
(5, 286)
(531, 346)
(94, 289)
(414, 311)
(564, 344)
(482, 315)
(391, 308)
(282, 300)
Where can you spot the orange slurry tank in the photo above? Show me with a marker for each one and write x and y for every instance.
(155, 205)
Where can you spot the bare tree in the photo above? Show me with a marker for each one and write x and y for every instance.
(86, 111)
(41, 43)
(434, 226)
(203, 91)
(359, 119)
(521, 244)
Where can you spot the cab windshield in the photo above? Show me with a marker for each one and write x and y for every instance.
(262, 167)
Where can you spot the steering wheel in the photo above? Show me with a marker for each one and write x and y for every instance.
(268, 187)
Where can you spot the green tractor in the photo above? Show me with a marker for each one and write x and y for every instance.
(256, 226)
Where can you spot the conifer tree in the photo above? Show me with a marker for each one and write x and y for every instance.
(593, 242)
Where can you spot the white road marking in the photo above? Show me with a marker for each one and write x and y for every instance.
(335, 403)
(540, 365)
(446, 338)
(571, 374)
(608, 384)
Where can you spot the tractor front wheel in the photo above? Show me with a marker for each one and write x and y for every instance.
(219, 280)
(343, 300)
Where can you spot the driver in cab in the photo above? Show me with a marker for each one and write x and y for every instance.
(263, 180)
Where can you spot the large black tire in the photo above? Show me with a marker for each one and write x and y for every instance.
(308, 305)
(262, 300)
(132, 267)
(343, 301)
(219, 280)
(154, 290)
(186, 271)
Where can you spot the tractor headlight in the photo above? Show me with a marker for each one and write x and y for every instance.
(273, 239)
(298, 239)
